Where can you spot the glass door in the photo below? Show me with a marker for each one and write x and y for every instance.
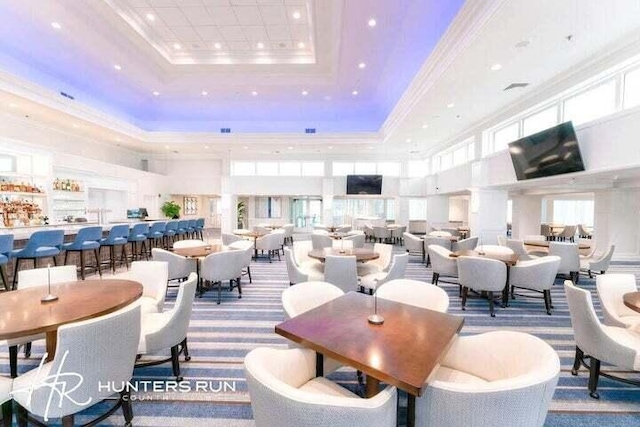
(306, 212)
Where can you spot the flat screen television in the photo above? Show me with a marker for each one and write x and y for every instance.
(137, 213)
(553, 151)
(364, 184)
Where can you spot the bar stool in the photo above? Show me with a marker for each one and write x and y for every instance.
(156, 234)
(182, 229)
(199, 228)
(117, 237)
(170, 233)
(191, 228)
(138, 234)
(87, 239)
(6, 246)
(41, 244)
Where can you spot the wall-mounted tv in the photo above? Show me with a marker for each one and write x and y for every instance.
(364, 184)
(137, 213)
(554, 151)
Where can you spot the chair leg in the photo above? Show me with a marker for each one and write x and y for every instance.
(66, 255)
(577, 361)
(490, 294)
(185, 350)
(465, 294)
(436, 277)
(67, 421)
(594, 374)
(239, 288)
(127, 410)
(3, 276)
(81, 264)
(547, 300)
(124, 256)
(15, 274)
(590, 275)
(7, 413)
(249, 273)
(13, 361)
(219, 291)
(96, 252)
(175, 362)
(55, 261)
(27, 350)
(21, 416)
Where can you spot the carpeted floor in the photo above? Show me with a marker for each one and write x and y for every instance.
(221, 335)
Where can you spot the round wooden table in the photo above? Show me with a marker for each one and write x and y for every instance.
(632, 300)
(199, 251)
(22, 314)
(361, 254)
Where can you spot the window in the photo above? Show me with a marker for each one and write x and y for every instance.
(589, 105)
(365, 168)
(312, 168)
(243, 169)
(267, 169)
(389, 169)
(505, 135)
(573, 212)
(7, 163)
(342, 169)
(460, 155)
(471, 151)
(391, 209)
(268, 207)
(417, 209)
(446, 161)
(632, 89)
(290, 169)
(418, 168)
(540, 121)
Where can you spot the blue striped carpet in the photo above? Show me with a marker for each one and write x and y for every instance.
(221, 335)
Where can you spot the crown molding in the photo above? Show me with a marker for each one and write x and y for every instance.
(471, 19)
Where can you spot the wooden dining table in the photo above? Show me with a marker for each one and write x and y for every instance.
(255, 236)
(22, 314)
(632, 300)
(198, 253)
(510, 259)
(361, 254)
(403, 351)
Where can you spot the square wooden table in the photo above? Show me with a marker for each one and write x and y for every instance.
(402, 352)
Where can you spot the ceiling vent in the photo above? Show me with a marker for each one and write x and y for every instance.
(310, 130)
(225, 130)
(516, 86)
(66, 95)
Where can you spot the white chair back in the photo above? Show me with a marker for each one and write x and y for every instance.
(397, 268)
(301, 250)
(431, 240)
(342, 244)
(154, 276)
(357, 240)
(412, 243)
(188, 244)
(569, 254)
(293, 271)
(178, 265)
(465, 244)
(319, 241)
(40, 276)
(502, 240)
(602, 264)
(416, 293)
(482, 274)
(384, 261)
(341, 271)
(221, 266)
(441, 262)
(228, 239)
(306, 296)
(611, 289)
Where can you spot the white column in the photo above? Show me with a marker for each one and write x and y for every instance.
(488, 214)
(228, 208)
(437, 210)
(327, 201)
(526, 216)
(616, 221)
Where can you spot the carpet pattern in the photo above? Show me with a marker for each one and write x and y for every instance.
(221, 335)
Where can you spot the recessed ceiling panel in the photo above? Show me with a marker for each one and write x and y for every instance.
(219, 31)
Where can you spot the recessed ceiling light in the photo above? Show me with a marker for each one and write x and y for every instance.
(117, 67)
(297, 15)
(496, 67)
(245, 147)
(362, 65)
(151, 17)
(260, 45)
(451, 105)
(75, 125)
(327, 98)
(204, 93)
(330, 147)
(206, 147)
(370, 148)
(301, 45)
(289, 148)
(424, 126)
(156, 93)
(305, 93)
(372, 22)
(217, 46)
(166, 146)
(177, 46)
(118, 139)
(254, 93)
(354, 93)
(13, 105)
(56, 25)
(408, 139)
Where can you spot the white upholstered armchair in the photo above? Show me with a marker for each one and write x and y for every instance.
(442, 263)
(154, 276)
(611, 289)
(416, 293)
(500, 378)
(481, 275)
(286, 393)
(599, 263)
(536, 275)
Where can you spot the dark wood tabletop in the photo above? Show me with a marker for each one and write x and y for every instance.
(361, 254)
(545, 244)
(199, 251)
(632, 300)
(22, 314)
(450, 238)
(509, 259)
(402, 352)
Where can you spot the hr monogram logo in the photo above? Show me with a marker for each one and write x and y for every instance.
(62, 385)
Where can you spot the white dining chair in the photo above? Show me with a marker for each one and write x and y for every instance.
(481, 275)
(372, 281)
(179, 267)
(191, 243)
(380, 264)
(341, 271)
(570, 259)
(611, 289)
(597, 264)
(298, 274)
(468, 244)
(246, 247)
(414, 245)
(416, 293)
(536, 275)
(154, 277)
(222, 266)
(442, 263)
(321, 241)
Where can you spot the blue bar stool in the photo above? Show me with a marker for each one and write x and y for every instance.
(191, 228)
(138, 235)
(200, 228)
(6, 246)
(156, 234)
(41, 244)
(170, 233)
(87, 239)
(117, 237)
(182, 229)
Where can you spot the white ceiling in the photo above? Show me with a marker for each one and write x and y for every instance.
(224, 31)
